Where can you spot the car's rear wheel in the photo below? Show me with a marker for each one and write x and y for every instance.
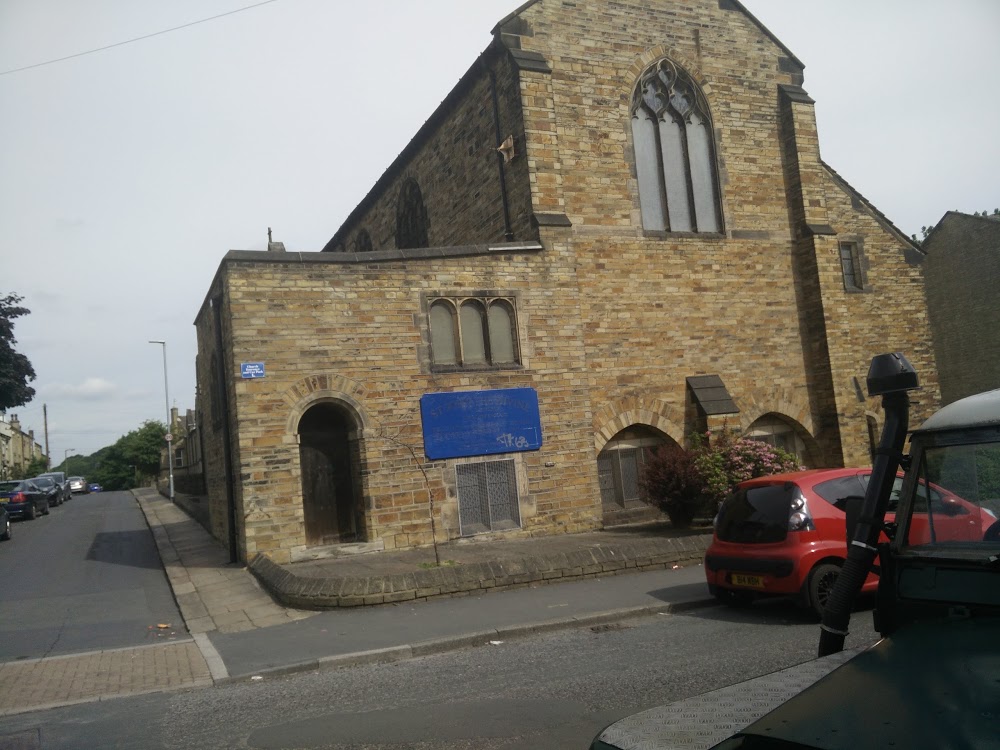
(32, 512)
(821, 583)
(5, 536)
(45, 508)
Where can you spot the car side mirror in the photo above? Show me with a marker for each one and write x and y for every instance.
(952, 509)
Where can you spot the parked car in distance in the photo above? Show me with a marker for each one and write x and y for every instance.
(4, 523)
(22, 498)
(94, 487)
(786, 534)
(63, 483)
(78, 484)
(52, 491)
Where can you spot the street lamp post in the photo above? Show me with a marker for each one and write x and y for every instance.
(166, 393)
(66, 460)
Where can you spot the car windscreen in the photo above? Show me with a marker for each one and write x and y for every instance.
(756, 515)
(960, 511)
(44, 481)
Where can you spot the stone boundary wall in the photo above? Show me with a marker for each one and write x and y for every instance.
(331, 592)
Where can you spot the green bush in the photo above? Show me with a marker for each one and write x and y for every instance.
(674, 483)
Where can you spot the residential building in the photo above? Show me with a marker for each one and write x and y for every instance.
(17, 448)
(960, 275)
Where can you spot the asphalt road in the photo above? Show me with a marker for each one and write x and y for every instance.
(85, 577)
(553, 691)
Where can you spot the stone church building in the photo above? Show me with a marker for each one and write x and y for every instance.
(616, 230)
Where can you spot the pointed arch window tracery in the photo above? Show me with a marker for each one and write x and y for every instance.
(674, 152)
(411, 217)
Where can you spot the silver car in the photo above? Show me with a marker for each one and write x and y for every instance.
(78, 484)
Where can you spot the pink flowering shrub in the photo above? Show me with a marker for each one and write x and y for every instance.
(730, 459)
(687, 483)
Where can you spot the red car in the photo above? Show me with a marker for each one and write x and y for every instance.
(786, 534)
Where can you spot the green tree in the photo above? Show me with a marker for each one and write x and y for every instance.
(15, 369)
(142, 447)
(133, 456)
(33, 468)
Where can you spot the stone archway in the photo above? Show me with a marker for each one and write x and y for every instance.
(785, 433)
(327, 458)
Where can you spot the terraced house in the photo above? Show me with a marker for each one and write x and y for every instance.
(615, 231)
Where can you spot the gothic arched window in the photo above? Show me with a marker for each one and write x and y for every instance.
(411, 217)
(674, 154)
(474, 332)
(363, 242)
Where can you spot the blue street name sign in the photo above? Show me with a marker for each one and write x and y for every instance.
(251, 369)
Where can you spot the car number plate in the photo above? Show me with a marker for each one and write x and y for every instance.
(756, 582)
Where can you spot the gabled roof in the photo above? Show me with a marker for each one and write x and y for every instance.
(734, 3)
(465, 82)
(401, 161)
(880, 217)
(981, 231)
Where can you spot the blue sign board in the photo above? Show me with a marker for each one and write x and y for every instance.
(252, 369)
(480, 423)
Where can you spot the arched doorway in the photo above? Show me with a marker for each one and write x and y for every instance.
(786, 434)
(620, 465)
(326, 455)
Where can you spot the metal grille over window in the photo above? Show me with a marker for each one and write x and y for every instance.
(487, 497)
(674, 154)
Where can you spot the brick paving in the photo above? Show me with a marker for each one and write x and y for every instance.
(35, 684)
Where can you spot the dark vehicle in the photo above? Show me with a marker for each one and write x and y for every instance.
(78, 484)
(94, 487)
(62, 482)
(931, 682)
(24, 499)
(51, 489)
(4, 523)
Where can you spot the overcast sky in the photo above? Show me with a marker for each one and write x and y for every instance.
(127, 173)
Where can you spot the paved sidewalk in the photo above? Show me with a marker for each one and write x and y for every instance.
(38, 684)
(238, 631)
(242, 632)
(212, 593)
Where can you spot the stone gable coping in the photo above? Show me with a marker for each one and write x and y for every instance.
(381, 256)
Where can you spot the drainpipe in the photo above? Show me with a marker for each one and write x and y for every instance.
(507, 231)
(227, 442)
